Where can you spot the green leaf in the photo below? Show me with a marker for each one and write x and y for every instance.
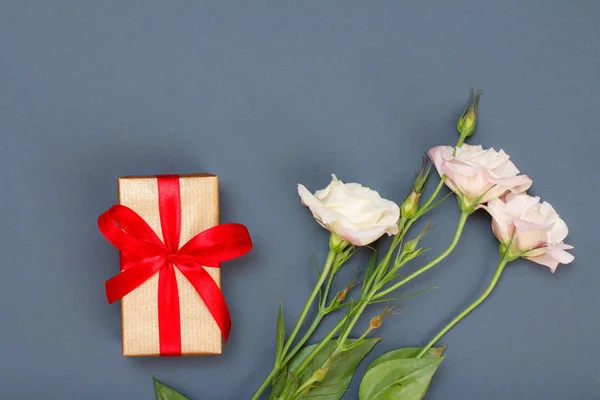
(280, 334)
(408, 352)
(339, 372)
(163, 392)
(399, 375)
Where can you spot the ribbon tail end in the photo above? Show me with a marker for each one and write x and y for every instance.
(110, 299)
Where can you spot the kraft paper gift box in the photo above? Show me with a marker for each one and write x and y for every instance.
(199, 211)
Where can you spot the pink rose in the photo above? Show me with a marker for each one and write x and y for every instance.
(476, 175)
(538, 230)
(353, 212)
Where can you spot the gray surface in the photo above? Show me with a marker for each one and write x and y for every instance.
(266, 96)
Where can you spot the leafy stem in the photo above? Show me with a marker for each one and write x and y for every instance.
(377, 280)
(331, 257)
(306, 362)
(283, 358)
(424, 208)
(459, 228)
(377, 277)
(385, 262)
(374, 294)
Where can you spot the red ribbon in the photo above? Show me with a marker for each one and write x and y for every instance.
(143, 254)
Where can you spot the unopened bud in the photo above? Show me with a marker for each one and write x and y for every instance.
(410, 205)
(411, 245)
(319, 375)
(341, 295)
(423, 176)
(378, 319)
(414, 254)
(375, 322)
(468, 120)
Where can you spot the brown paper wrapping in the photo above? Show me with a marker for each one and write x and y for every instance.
(139, 309)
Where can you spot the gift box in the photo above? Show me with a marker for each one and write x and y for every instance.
(171, 302)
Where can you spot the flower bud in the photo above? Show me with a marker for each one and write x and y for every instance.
(423, 176)
(319, 375)
(410, 206)
(468, 120)
(378, 319)
(375, 322)
(342, 294)
(411, 246)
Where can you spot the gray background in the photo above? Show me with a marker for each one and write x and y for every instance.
(271, 94)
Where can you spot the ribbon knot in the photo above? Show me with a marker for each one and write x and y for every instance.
(143, 254)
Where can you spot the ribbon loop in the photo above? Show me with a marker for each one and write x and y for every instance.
(129, 233)
(144, 254)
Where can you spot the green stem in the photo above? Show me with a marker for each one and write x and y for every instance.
(459, 228)
(383, 266)
(385, 262)
(306, 362)
(301, 389)
(423, 208)
(470, 308)
(344, 336)
(325, 294)
(318, 318)
(265, 383)
(323, 311)
(280, 363)
(331, 256)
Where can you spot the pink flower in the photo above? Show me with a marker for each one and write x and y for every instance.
(353, 212)
(538, 230)
(476, 175)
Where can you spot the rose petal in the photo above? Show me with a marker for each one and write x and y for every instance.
(363, 237)
(545, 259)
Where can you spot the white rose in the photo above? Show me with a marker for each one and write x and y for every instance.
(538, 230)
(478, 175)
(355, 213)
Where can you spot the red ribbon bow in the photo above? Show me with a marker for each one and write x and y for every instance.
(143, 254)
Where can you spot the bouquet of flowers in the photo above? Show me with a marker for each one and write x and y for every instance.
(482, 180)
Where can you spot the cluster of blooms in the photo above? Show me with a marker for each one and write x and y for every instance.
(358, 216)
(532, 229)
(480, 178)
